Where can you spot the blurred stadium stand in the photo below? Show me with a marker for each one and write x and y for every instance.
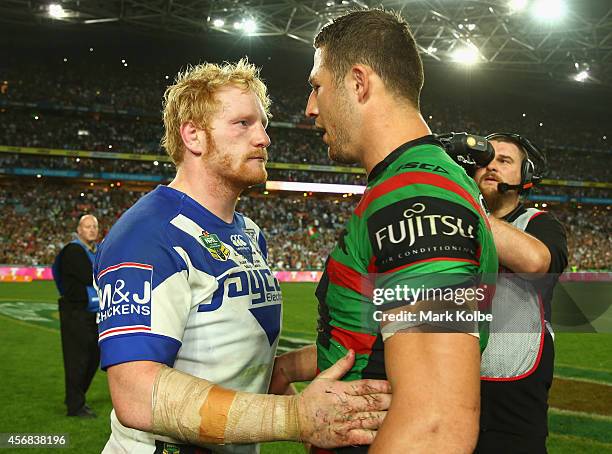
(80, 126)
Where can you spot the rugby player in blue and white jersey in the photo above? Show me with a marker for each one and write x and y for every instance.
(190, 312)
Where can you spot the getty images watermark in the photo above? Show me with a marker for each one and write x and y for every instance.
(504, 304)
(438, 305)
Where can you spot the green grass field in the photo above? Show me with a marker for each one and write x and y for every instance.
(31, 374)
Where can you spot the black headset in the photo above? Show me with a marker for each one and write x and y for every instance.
(529, 175)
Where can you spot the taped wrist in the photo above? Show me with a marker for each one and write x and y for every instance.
(197, 411)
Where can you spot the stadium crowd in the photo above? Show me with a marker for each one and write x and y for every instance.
(300, 230)
(37, 217)
(166, 171)
(70, 84)
(65, 94)
(589, 235)
(80, 132)
(142, 136)
(70, 107)
(77, 84)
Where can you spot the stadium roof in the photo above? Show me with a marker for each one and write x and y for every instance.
(559, 38)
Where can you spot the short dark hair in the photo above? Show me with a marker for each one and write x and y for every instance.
(377, 38)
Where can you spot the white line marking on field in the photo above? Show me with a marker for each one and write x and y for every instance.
(586, 380)
(581, 414)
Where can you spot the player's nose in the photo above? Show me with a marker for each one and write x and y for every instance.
(312, 108)
(262, 139)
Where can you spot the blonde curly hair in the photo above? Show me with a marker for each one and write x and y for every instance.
(192, 97)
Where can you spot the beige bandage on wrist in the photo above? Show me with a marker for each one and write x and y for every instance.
(197, 411)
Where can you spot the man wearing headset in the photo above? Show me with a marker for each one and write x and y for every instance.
(517, 366)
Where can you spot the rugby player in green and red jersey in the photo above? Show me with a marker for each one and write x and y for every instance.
(421, 219)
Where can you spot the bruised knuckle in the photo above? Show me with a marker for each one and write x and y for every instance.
(371, 402)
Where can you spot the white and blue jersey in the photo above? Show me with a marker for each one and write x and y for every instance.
(178, 285)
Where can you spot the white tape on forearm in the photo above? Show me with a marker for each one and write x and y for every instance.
(197, 411)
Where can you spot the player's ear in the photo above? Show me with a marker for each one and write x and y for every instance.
(360, 82)
(194, 138)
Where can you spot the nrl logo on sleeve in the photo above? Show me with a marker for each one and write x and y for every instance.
(214, 245)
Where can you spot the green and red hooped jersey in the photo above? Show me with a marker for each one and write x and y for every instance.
(421, 215)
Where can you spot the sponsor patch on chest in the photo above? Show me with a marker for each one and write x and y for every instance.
(422, 228)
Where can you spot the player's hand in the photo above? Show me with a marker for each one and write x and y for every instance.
(333, 413)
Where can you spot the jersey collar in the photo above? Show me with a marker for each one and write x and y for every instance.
(511, 217)
(382, 165)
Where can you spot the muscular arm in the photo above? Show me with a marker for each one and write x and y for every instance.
(436, 394)
(294, 366)
(517, 250)
(132, 398)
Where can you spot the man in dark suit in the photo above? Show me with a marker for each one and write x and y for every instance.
(78, 305)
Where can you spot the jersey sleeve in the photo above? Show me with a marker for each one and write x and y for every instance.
(145, 297)
(546, 228)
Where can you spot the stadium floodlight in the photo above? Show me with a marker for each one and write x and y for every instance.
(517, 5)
(549, 10)
(582, 76)
(246, 25)
(467, 55)
(249, 26)
(218, 23)
(56, 11)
